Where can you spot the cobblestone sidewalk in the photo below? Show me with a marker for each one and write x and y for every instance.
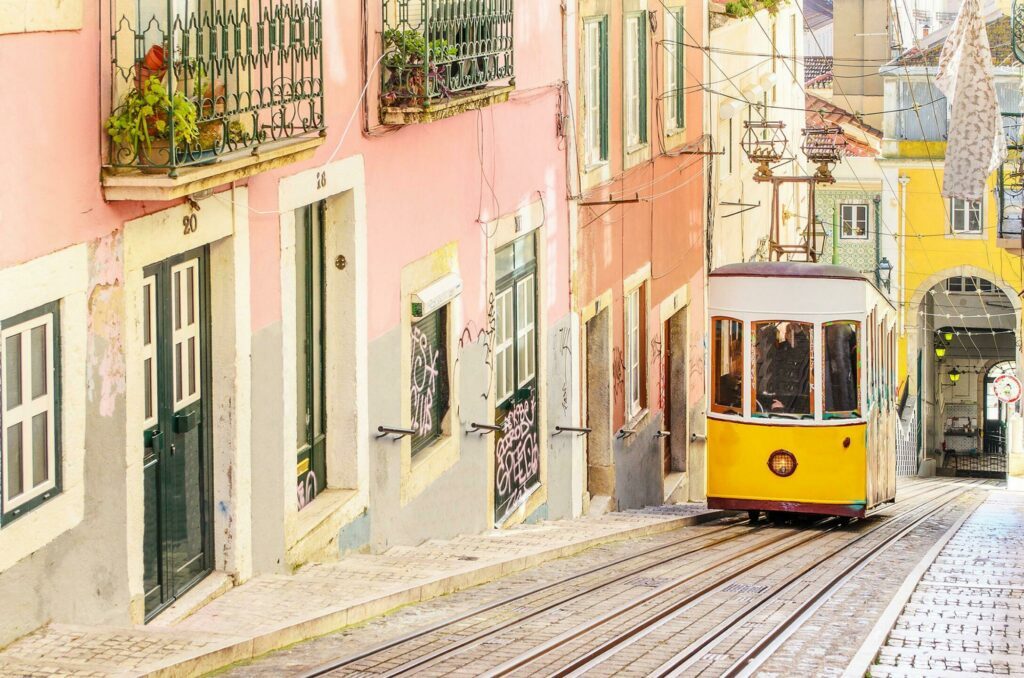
(966, 616)
(270, 612)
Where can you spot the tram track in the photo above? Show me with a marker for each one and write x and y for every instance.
(706, 540)
(565, 581)
(604, 650)
(753, 658)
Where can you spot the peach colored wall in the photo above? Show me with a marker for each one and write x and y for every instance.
(666, 228)
(426, 184)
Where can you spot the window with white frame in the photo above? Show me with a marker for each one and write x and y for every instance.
(635, 90)
(29, 410)
(595, 94)
(674, 96)
(633, 312)
(853, 222)
(504, 346)
(965, 216)
(968, 285)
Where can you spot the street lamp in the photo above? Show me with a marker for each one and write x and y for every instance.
(940, 351)
(948, 335)
(884, 269)
(954, 375)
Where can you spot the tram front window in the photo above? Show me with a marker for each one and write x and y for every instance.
(842, 392)
(782, 372)
(727, 357)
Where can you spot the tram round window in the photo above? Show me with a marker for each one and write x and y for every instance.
(727, 365)
(782, 369)
(842, 371)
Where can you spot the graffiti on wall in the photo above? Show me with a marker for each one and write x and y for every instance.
(658, 366)
(471, 334)
(517, 454)
(306, 490)
(618, 372)
(424, 382)
(565, 356)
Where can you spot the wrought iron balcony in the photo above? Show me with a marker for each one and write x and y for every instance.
(197, 84)
(442, 57)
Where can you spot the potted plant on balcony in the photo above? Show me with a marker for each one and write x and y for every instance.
(412, 65)
(141, 127)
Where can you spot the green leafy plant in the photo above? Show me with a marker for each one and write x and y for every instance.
(142, 117)
(409, 59)
(742, 8)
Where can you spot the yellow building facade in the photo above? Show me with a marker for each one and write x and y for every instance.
(957, 275)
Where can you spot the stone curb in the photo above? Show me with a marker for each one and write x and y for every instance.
(236, 650)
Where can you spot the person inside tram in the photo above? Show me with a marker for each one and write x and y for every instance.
(783, 369)
(730, 384)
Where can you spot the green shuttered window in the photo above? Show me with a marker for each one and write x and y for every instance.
(429, 392)
(595, 94)
(30, 464)
(635, 99)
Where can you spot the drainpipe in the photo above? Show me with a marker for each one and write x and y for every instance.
(902, 244)
(878, 239)
(835, 236)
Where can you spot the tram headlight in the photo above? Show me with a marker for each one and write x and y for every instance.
(782, 463)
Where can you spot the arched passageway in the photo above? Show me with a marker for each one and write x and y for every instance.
(966, 338)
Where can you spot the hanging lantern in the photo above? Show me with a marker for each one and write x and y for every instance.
(940, 351)
(764, 142)
(954, 375)
(948, 335)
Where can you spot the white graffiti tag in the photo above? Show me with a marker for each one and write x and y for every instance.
(424, 382)
(518, 453)
(306, 490)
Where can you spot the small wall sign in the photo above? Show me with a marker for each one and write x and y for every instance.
(1007, 388)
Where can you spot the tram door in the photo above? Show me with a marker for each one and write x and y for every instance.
(176, 464)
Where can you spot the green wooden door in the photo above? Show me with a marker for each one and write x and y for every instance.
(176, 466)
(517, 446)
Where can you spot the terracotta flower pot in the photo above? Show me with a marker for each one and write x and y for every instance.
(155, 59)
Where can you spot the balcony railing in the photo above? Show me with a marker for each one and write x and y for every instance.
(438, 51)
(194, 81)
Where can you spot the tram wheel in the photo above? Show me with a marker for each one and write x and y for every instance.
(778, 518)
(754, 516)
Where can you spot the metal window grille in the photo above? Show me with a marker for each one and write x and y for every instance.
(250, 71)
(429, 389)
(435, 49)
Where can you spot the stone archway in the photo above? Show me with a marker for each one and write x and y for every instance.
(939, 307)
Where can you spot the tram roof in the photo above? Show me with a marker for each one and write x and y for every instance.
(788, 269)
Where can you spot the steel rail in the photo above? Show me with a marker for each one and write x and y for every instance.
(391, 644)
(611, 646)
(699, 648)
(765, 648)
(915, 489)
(454, 647)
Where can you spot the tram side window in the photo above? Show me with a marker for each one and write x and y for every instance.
(727, 381)
(782, 374)
(842, 372)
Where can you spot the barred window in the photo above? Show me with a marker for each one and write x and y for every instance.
(29, 410)
(429, 389)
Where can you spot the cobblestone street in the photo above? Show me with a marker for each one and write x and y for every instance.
(727, 598)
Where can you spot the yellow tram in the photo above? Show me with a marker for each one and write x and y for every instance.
(802, 414)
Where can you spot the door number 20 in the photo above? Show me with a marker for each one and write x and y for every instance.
(190, 224)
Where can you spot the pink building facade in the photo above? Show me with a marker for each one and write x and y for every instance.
(323, 305)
